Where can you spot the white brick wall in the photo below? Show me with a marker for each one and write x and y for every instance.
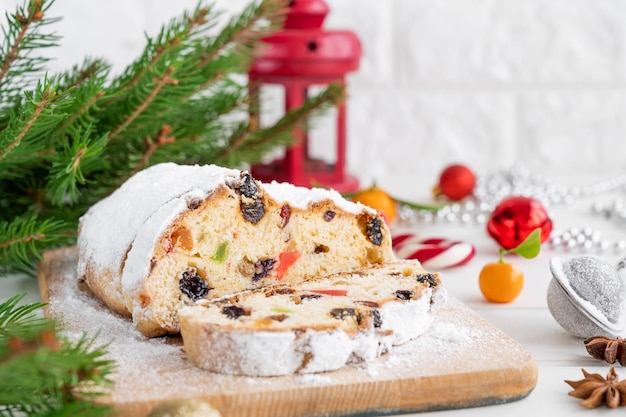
(484, 82)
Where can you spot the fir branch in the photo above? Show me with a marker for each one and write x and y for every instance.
(241, 33)
(81, 154)
(170, 39)
(20, 320)
(86, 86)
(27, 123)
(23, 239)
(22, 23)
(21, 37)
(164, 137)
(159, 83)
(42, 374)
(73, 138)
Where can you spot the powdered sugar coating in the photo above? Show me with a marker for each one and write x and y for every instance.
(302, 197)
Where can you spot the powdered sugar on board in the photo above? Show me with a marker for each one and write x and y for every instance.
(458, 348)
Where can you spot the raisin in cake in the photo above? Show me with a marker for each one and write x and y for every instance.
(318, 325)
(174, 234)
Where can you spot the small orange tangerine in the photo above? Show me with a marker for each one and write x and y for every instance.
(379, 200)
(501, 282)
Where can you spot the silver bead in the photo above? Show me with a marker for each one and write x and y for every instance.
(480, 218)
(469, 205)
(603, 245)
(571, 244)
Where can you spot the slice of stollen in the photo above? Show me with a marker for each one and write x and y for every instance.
(318, 325)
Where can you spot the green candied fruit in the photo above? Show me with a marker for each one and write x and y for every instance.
(281, 310)
(221, 253)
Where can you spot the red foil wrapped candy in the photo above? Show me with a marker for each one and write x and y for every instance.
(514, 218)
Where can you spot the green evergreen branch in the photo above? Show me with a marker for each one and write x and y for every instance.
(41, 374)
(18, 31)
(26, 125)
(166, 43)
(239, 35)
(23, 239)
(75, 137)
(164, 137)
(68, 140)
(159, 83)
(19, 320)
(81, 154)
(262, 140)
(21, 38)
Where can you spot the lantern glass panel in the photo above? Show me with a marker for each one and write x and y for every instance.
(272, 104)
(322, 133)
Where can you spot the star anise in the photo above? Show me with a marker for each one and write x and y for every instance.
(595, 390)
(609, 350)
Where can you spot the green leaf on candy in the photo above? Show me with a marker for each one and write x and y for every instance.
(529, 248)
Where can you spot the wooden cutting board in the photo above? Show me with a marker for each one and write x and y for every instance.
(462, 361)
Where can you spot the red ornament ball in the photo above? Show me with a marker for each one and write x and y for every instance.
(457, 182)
(514, 218)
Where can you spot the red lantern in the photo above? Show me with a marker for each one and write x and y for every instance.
(514, 218)
(301, 57)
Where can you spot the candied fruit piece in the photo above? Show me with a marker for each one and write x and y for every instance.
(234, 312)
(262, 268)
(281, 310)
(404, 294)
(331, 292)
(367, 303)
(430, 278)
(278, 317)
(246, 267)
(220, 253)
(329, 215)
(192, 284)
(321, 249)
(285, 215)
(144, 300)
(285, 261)
(182, 238)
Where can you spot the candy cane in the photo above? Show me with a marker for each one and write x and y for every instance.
(432, 252)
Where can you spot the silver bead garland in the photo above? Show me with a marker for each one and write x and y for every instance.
(493, 187)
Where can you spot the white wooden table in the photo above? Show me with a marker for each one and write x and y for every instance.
(559, 356)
